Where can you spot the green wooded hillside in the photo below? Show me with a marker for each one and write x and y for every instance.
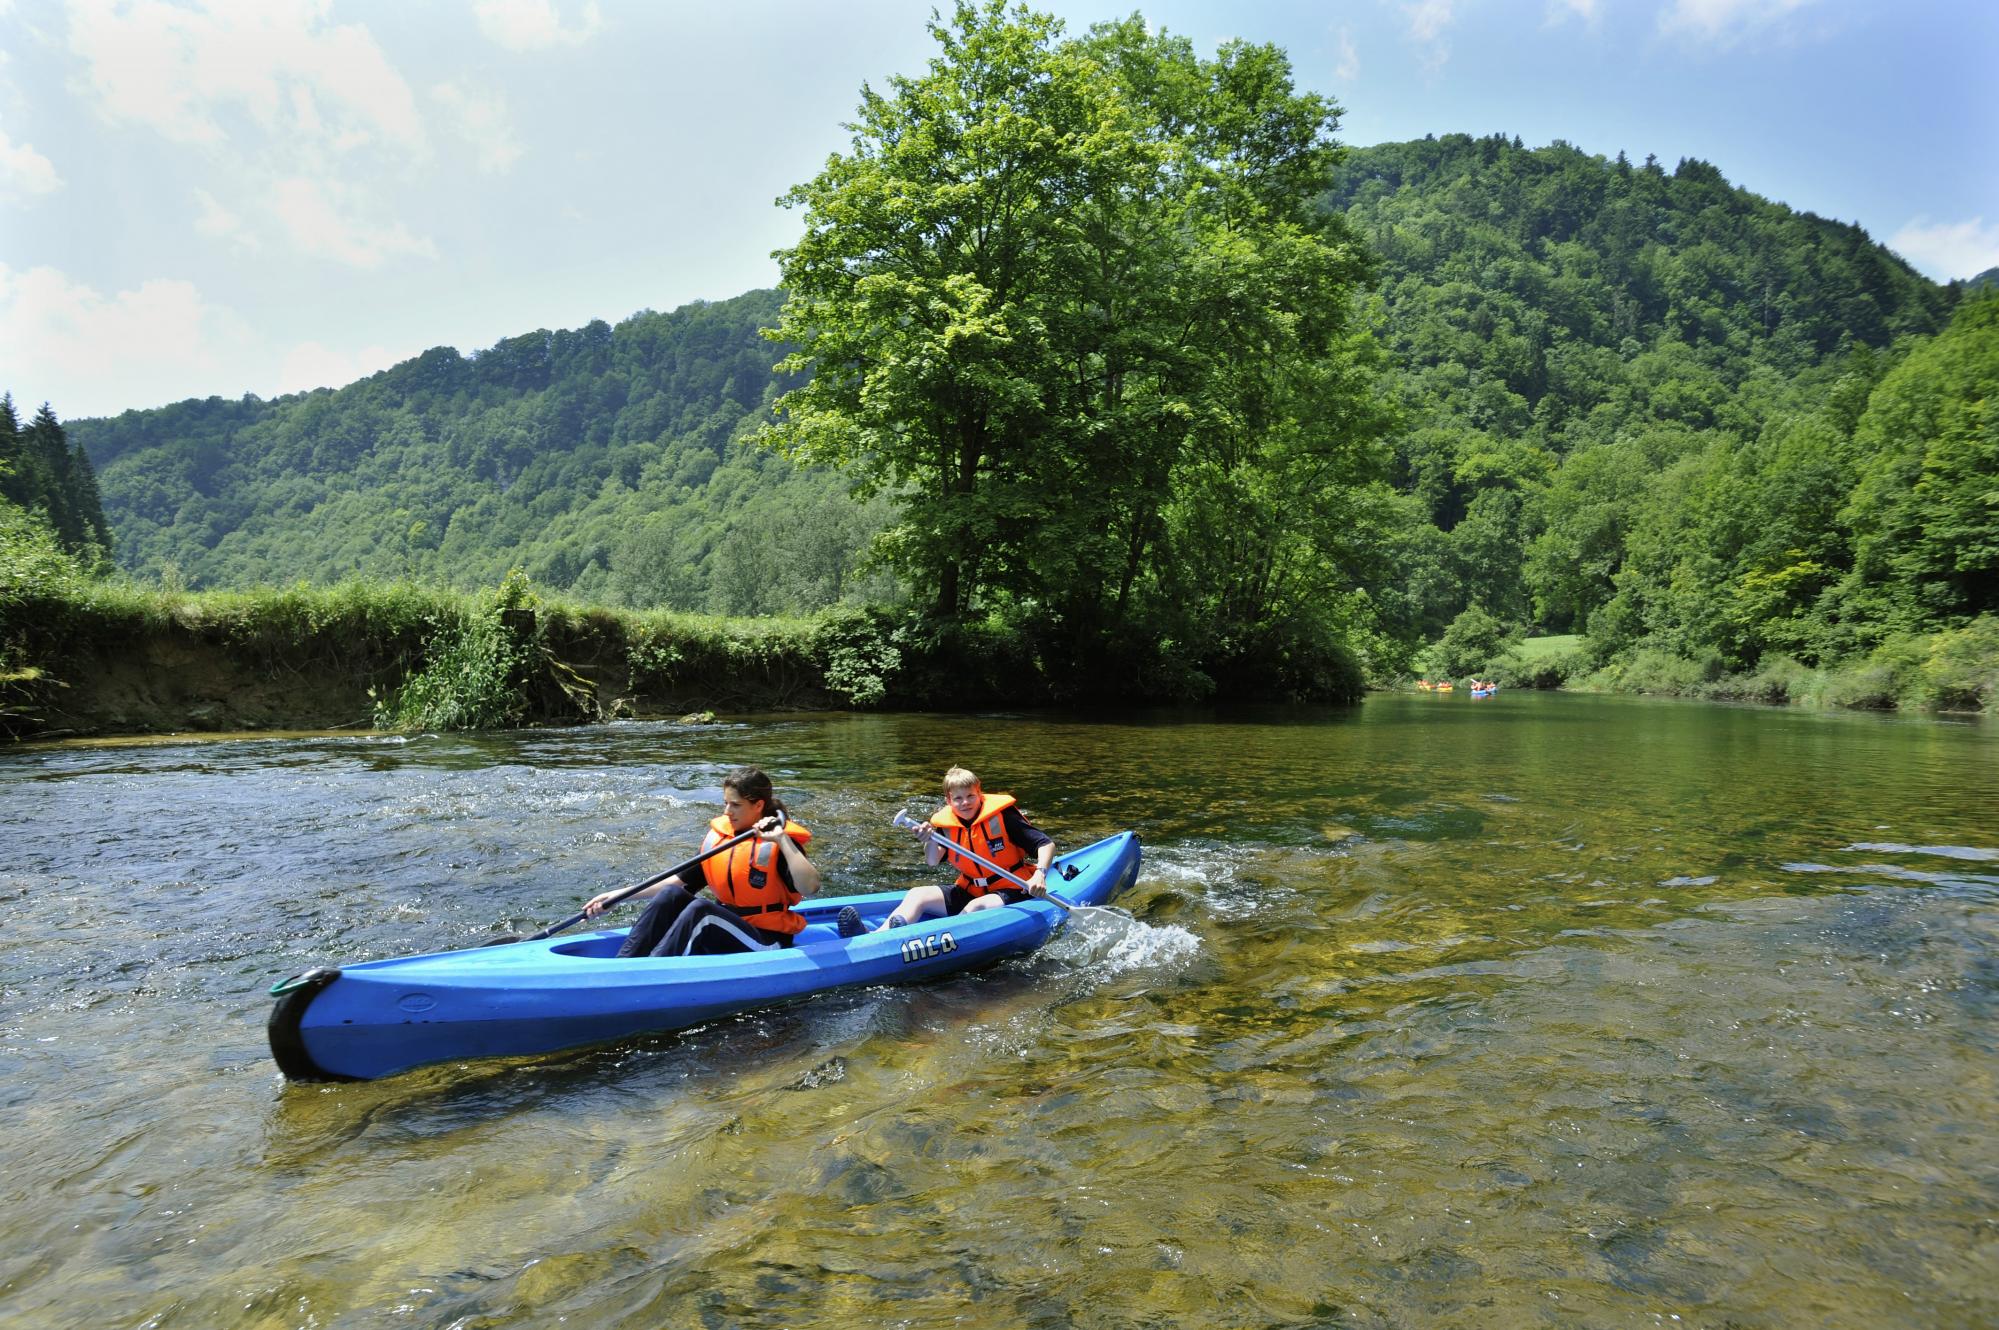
(1644, 404)
(603, 460)
(1546, 304)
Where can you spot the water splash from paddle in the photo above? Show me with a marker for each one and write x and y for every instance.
(1109, 941)
(1151, 946)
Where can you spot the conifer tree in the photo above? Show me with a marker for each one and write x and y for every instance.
(49, 453)
(89, 502)
(13, 478)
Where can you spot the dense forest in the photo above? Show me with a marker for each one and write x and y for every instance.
(1514, 390)
(1668, 412)
(605, 462)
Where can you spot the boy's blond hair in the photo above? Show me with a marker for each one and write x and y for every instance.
(957, 778)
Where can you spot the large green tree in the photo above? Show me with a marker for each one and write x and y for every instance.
(1070, 301)
(1926, 511)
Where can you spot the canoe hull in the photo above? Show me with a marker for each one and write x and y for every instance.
(377, 1018)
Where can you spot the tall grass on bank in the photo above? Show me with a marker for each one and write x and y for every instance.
(285, 620)
(58, 635)
(407, 657)
(1956, 670)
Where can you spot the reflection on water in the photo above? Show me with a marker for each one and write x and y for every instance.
(1532, 1011)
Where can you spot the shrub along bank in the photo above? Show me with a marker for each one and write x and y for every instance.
(1954, 670)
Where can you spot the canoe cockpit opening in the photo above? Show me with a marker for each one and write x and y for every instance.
(597, 944)
(605, 946)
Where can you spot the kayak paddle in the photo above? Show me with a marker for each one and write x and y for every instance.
(636, 888)
(904, 820)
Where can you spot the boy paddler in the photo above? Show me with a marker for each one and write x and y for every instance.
(991, 826)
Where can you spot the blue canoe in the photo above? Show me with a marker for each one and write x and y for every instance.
(376, 1018)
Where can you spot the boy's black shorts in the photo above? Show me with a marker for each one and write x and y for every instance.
(956, 898)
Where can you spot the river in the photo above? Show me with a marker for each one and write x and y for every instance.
(1533, 1010)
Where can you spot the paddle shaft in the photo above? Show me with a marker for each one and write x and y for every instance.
(903, 819)
(654, 880)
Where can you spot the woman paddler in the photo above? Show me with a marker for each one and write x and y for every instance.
(753, 884)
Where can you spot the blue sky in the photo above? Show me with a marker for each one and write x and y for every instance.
(228, 196)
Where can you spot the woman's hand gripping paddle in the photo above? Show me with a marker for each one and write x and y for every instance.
(637, 887)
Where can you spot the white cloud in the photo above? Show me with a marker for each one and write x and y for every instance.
(1348, 67)
(187, 73)
(24, 172)
(87, 353)
(534, 25)
(483, 120)
(1948, 250)
(1723, 21)
(312, 365)
(303, 125)
(90, 354)
(321, 218)
(218, 222)
(1428, 18)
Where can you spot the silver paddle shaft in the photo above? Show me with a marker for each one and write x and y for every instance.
(904, 820)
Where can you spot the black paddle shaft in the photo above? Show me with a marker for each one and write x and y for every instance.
(654, 880)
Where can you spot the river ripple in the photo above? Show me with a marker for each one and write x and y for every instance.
(1540, 1010)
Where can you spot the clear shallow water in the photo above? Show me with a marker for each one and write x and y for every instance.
(1534, 1010)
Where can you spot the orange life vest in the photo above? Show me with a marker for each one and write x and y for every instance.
(745, 878)
(985, 835)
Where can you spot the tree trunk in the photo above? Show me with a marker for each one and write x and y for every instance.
(947, 590)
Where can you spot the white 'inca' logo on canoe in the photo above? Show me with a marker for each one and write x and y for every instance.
(923, 948)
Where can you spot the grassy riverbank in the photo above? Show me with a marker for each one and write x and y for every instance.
(1956, 670)
(116, 657)
(80, 655)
